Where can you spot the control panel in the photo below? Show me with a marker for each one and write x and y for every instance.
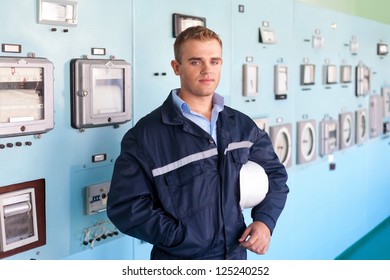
(96, 198)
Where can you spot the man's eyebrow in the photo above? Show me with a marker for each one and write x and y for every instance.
(199, 58)
(194, 58)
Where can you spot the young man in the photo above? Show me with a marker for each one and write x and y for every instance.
(176, 181)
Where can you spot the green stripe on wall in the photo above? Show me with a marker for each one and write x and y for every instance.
(373, 246)
(377, 10)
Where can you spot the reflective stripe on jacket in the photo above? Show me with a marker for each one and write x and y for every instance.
(174, 188)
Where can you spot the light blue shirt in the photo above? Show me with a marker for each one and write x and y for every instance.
(210, 126)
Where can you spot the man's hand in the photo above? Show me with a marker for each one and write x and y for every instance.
(256, 238)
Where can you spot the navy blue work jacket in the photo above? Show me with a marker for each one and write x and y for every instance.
(173, 187)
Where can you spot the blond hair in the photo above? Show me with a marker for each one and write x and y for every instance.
(200, 33)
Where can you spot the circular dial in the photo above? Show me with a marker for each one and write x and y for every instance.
(282, 145)
(347, 130)
(307, 141)
(363, 128)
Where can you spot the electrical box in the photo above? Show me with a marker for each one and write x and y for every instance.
(96, 198)
(18, 219)
(101, 92)
(26, 96)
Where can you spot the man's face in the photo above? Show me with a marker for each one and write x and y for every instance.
(200, 67)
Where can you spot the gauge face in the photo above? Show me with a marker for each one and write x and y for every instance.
(347, 130)
(307, 142)
(281, 139)
(26, 96)
(21, 74)
(282, 146)
(363, 128)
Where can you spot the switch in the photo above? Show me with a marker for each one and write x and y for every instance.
(96, 198)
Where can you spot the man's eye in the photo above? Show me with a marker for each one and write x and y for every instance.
(215, 62)
(195, 62)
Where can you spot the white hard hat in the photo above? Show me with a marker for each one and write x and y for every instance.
(253, 185)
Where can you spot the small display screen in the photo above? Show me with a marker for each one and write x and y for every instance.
(108, 91)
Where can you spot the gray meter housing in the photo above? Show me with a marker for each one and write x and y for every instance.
(100, 92)
(26, 96)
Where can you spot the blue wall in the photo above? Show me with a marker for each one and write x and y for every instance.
(327, 211)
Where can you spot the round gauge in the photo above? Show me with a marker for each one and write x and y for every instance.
(307, 141)
(282, 145)
(361, 126)
(363, 129)
(347, 130)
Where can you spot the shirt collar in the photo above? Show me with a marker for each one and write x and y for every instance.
(218, 101)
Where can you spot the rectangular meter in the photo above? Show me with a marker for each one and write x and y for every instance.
(250, 80)
(280, 81)
(101, 92)
(26, 96)
(307, 74)
(18, 219)
(329, 131)
(363, 75)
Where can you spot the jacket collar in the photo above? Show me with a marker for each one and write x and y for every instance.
(172, 115)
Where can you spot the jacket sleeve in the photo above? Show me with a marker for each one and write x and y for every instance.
(269, 210)
(133, 205)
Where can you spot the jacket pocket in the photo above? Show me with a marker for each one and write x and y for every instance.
(240, 156)
(188, 189)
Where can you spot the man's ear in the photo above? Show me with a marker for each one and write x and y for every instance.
(175, 67)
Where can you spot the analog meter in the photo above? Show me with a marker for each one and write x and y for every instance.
(26, 96)
(361, 126)
(307, 74)
(306, 141)
(101, 92)
(330, 74)
(386, 101)
(281, 138)
(363, 77)
(376, 116)
(329, 131)
(280, 81)
(346, 130)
